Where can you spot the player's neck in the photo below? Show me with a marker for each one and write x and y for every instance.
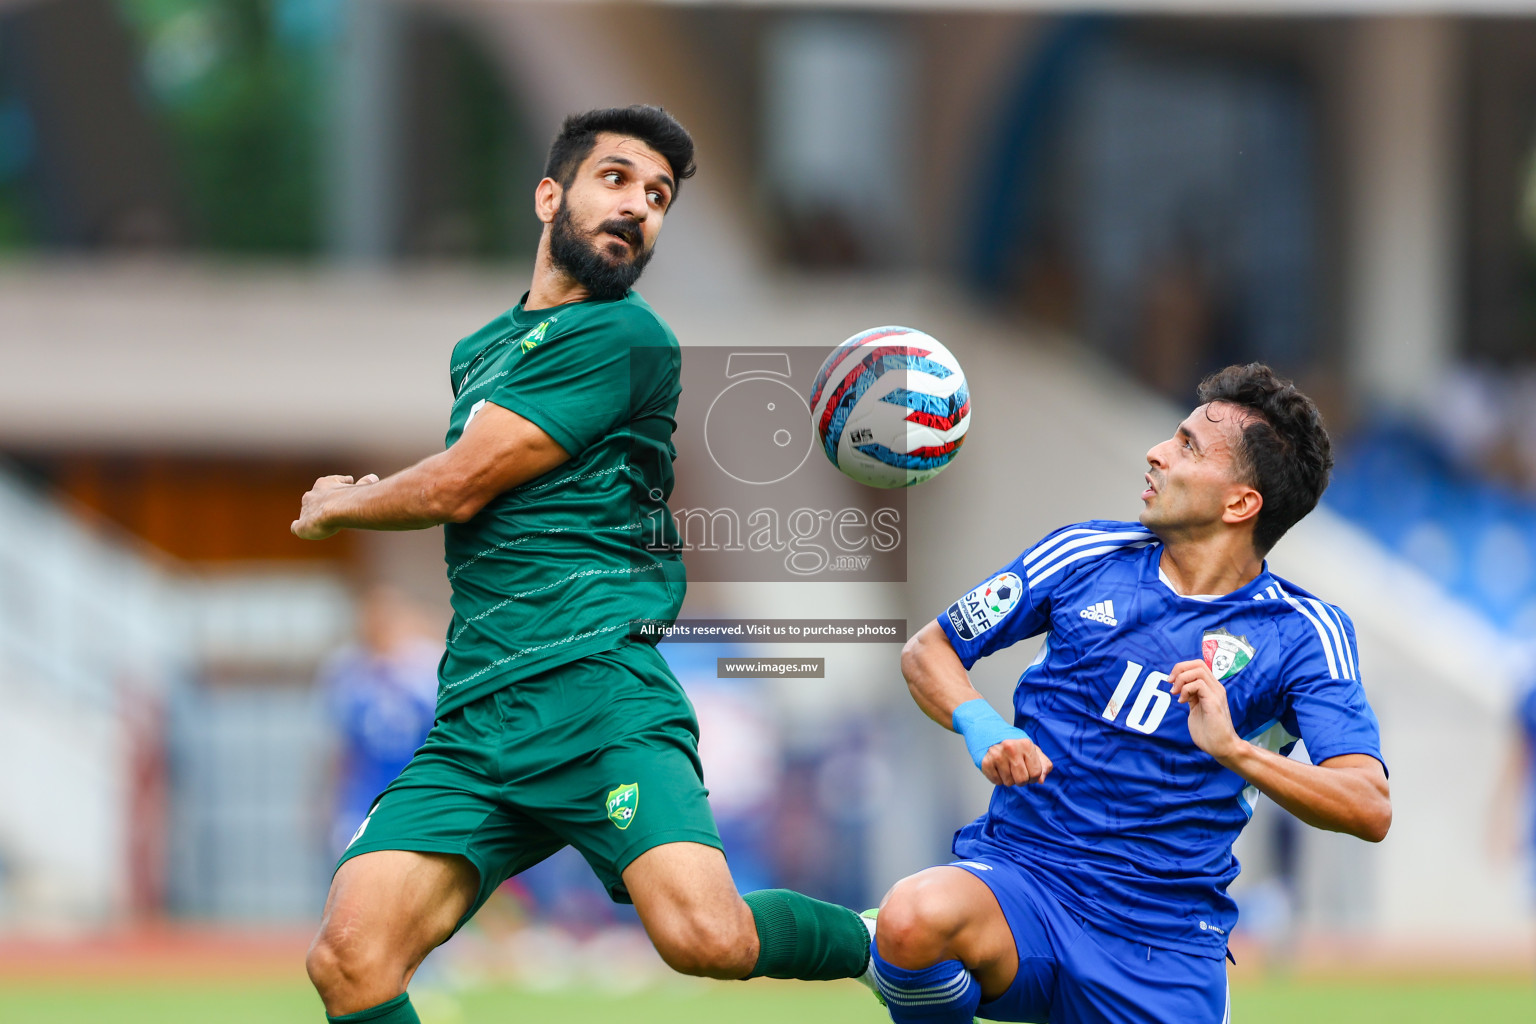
(551, 285)
(1209, 567)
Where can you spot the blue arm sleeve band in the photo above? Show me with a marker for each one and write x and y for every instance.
(982, 728)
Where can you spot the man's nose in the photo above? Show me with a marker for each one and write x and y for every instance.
(634, 206)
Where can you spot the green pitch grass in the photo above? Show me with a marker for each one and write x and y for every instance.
(1394, 1002)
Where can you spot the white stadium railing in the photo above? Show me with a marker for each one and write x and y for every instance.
(107, 754)
(82, 615)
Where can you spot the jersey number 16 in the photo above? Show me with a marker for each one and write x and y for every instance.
(1151, 700)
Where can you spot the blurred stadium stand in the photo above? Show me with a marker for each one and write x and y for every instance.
(1471, 535)
(256, 275)
(89, 647)
(159, 744)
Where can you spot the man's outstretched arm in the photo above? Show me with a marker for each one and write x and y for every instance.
(498, 450)
(941, 686)
(1348, 793)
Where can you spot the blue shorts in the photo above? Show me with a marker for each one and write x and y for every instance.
(1072, 972)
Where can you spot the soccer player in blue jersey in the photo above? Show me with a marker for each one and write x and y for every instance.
(1514, 806)
(1176, 674)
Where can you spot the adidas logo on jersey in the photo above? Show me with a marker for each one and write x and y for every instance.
(1103, 612)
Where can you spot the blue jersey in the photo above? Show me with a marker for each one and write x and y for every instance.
(1133, 829)
(381, 707)
(1526, 713)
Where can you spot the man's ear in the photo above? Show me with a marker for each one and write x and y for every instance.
(1243, 506)
(546, 199)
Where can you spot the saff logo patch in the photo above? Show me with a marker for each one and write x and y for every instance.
(986, 606)
(623, 804)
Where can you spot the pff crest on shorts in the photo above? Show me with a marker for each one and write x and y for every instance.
(623, 803)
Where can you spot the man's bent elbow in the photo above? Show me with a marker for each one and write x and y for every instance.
(1377, 823)
(464, 510)
(912, 657)
(452, 500)
(1370, 821)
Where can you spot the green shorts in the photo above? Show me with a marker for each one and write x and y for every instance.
(600, 754)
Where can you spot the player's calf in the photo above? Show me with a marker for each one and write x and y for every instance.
(701, 925)
(945, 993)
(721, 944)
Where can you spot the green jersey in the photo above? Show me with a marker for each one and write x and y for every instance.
(557, 568)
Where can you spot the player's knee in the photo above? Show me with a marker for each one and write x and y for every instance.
(340, 969)
(916, 923)
(324, 966)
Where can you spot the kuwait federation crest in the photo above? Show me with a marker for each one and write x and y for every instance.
(623, 803)
(1225, 654)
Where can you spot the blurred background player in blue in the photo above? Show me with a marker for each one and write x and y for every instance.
(380, 696)
(1513, 821)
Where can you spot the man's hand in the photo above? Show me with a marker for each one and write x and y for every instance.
(1210, 720)
(1343, 793)
(1015, 762)
(312, 523)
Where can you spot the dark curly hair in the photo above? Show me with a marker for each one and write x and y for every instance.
(1284, 454)
(651, 125)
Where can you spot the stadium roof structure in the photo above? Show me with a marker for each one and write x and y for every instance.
(1211, 7)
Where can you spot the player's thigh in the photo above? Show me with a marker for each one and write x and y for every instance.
(449, 806)
(388, 909)
(1017, 955)
(1106, 979)
(631, 781)
(682, 879)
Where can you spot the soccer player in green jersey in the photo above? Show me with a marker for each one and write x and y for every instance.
(555, 727)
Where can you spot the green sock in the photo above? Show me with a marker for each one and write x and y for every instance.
(806, 939)
(397, 1011)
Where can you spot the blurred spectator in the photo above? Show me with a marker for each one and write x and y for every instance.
(1423, 496)
(1513, 823)
(1179, 322)
(381, 695)
(1481, 417)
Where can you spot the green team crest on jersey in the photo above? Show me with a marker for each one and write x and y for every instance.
(623, 803)
(1225, 654)
(534, 336)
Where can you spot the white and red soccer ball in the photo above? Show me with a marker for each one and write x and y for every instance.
(890, 407)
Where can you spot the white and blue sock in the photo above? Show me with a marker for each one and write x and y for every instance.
(945, 993)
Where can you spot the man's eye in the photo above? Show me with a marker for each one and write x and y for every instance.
(612, 177)
(656, 198)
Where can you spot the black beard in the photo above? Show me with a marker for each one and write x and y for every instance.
(603, 277)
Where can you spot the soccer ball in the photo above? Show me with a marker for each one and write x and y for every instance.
(890, 407)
